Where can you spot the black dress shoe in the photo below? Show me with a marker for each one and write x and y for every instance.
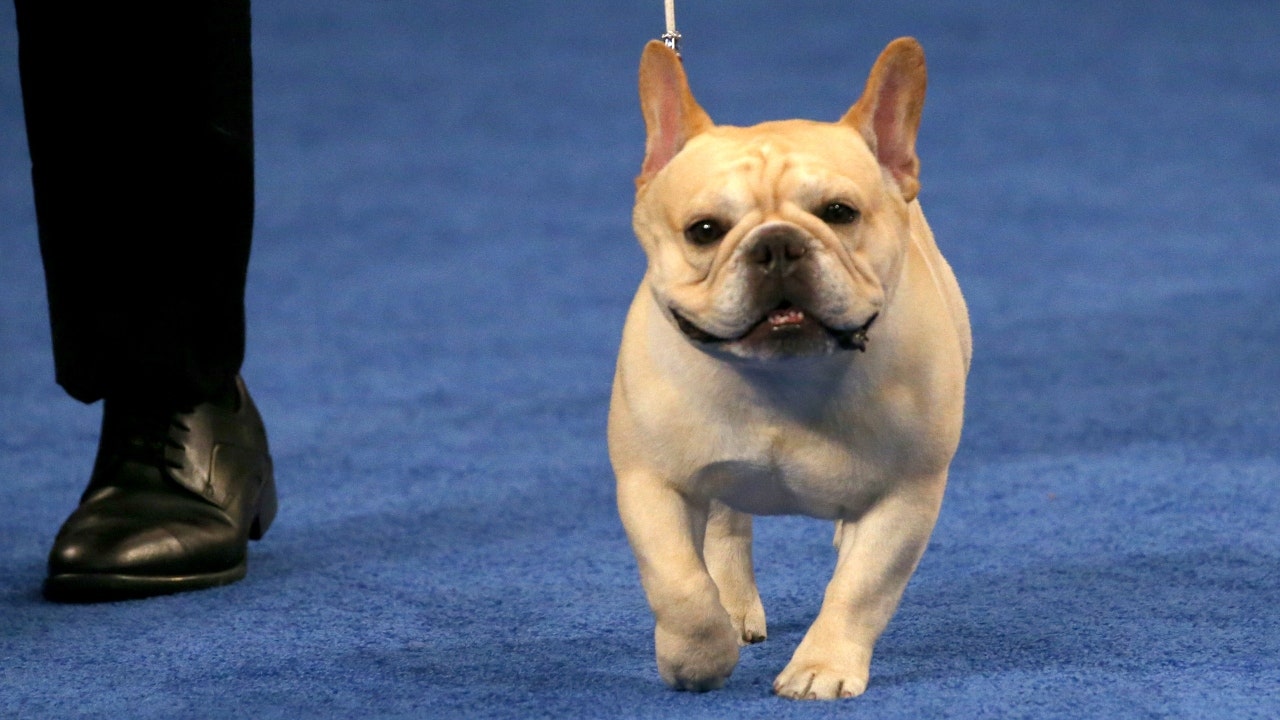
(174, 498)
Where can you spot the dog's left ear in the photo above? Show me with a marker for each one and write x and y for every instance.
(671, 116)
(888, 113)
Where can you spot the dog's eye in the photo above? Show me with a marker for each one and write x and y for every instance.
(838, 214)
(704, 232)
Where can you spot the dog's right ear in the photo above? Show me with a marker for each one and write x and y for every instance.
(671, 116)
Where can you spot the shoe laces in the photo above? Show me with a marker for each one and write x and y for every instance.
(143, 434)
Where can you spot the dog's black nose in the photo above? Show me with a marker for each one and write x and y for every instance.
(773, 252)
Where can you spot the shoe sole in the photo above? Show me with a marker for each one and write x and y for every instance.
(96, 587)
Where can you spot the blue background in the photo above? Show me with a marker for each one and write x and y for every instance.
(443, 260)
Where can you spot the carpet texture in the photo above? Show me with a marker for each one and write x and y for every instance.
(443, 260)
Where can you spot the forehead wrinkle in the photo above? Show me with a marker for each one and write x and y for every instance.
(774, 163)
(790, 174)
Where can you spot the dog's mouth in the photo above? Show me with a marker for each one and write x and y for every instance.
(784, 321)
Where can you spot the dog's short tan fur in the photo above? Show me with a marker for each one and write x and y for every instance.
(740, 389)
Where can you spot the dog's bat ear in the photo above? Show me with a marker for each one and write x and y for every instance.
(671, 116)
(888, 113)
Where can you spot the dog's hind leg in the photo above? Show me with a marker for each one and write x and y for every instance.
(727, 550)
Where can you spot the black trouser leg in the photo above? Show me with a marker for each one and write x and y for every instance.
(139, 122)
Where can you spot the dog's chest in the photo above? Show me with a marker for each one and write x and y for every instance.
(787, 468)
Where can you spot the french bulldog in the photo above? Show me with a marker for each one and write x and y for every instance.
(798, 345)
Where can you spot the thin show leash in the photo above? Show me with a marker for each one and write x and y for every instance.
(671, 38)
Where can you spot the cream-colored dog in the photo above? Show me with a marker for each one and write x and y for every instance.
(798, 346)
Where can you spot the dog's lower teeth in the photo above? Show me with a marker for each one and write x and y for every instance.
(786, 318)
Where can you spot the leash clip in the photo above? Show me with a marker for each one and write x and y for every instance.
(671, 39)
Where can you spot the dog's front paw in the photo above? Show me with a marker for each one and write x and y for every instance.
(820, 682)
(824, 674)
(697, 661)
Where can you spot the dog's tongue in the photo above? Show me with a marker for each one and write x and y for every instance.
(785, 318)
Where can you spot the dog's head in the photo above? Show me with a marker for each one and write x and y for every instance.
(786, 238)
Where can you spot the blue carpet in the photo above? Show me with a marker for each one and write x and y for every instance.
(443, 259)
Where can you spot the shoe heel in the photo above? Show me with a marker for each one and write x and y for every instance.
(267, 504)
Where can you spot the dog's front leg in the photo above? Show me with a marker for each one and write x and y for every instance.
(878, 553)
(695, 641)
